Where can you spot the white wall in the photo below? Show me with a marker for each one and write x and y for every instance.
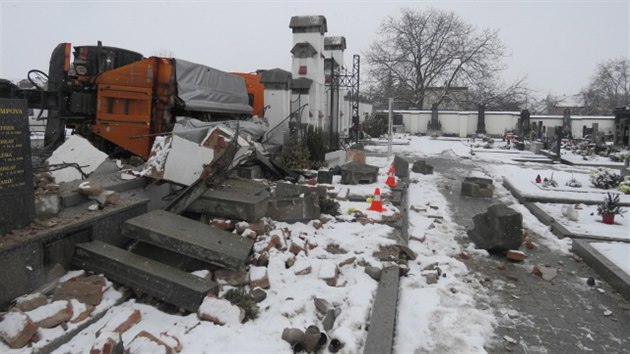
(315, 72)
(497, 123)
(279, 102)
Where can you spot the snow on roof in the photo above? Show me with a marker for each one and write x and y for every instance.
(332, 43)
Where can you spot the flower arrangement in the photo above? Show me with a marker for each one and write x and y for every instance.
(609, 208)
(573, 183)
(603, 179)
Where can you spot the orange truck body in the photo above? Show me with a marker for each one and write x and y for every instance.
(131, 102)
(256, 93)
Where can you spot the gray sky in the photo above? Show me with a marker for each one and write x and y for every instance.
(556, 45)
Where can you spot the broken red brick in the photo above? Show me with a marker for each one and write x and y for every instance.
(231, 277)
(51, 315)
(17, 329)
(142, 348)
(501, 266)
(88, 290)
(30, 302)
(515, 255)
(464, 255)
(258, 277)
(536, 271)
(530, 245)
(122, 321)
(107, 343)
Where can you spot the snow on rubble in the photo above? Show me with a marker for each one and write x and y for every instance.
(339, 249)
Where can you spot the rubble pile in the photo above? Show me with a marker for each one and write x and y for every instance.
(72, 302)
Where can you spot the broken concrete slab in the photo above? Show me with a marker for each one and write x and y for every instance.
(69, 192)
(76, 150)
(354, 173)
(185, 161)
(231, 205)
(477, 187)
(151, 277)
(181, 158)
(189, 237)
(497, 230)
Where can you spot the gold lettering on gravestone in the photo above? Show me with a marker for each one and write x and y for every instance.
(11, 158)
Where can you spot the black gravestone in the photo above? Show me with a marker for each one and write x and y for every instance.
(16, 172)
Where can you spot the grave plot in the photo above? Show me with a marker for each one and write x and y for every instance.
(583, 221)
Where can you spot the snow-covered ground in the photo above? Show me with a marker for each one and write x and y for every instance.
(448, 314)
(617, 252)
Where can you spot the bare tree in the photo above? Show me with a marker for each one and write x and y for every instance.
(432, 49)
(609, 87)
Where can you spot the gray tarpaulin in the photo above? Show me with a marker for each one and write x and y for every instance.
(206, 89)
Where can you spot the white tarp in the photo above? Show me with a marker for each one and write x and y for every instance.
(206, 89)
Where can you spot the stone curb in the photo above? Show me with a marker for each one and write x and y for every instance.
(610, 272)
(382, 329)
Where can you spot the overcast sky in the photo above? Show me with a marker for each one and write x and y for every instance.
(556, 45)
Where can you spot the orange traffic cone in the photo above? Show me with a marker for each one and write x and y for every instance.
(391, 177)
(377, 203)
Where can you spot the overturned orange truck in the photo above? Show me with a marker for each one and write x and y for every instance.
(120, 100)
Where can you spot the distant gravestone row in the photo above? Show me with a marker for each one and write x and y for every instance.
(16, 172)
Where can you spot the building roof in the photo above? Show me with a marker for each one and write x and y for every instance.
(316, 23)
(303, 50)
(334, 43)
(276, 77)
(302, 83)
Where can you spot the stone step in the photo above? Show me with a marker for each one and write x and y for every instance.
(151, 277)
(190, 238)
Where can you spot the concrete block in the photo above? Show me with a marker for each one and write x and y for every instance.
(231, 205)
(353, 173)
(293, 209)
(151, 277)
(401, 165)
(477, 187)
(250, 172)
(189, 237)
(497, 230)
(325, 177)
